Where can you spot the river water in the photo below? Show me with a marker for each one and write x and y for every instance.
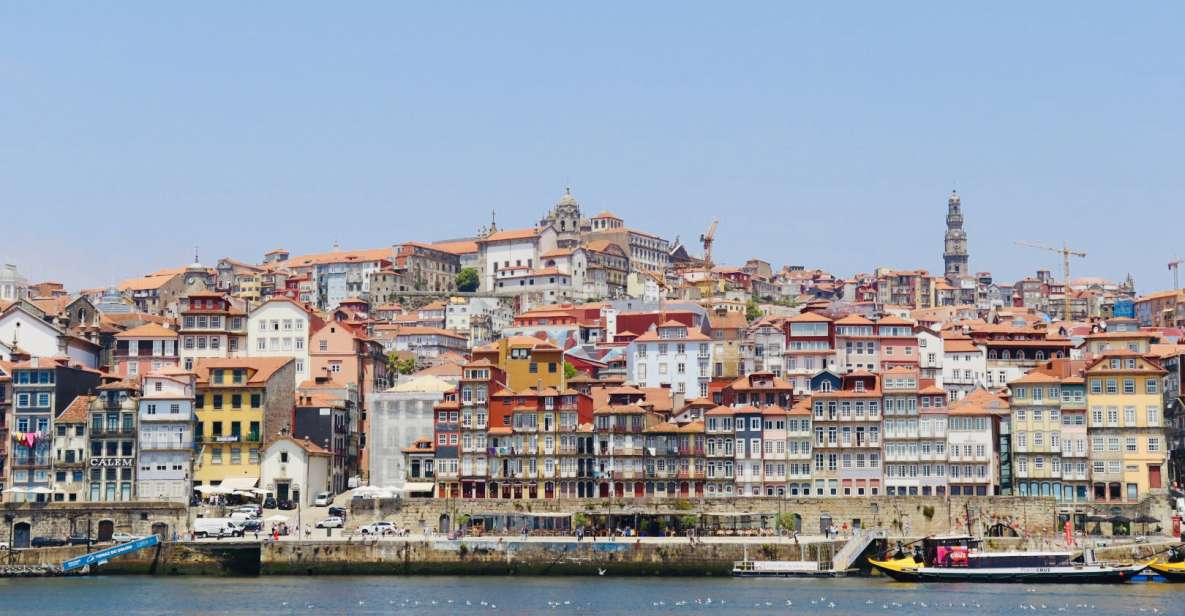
(445, 596)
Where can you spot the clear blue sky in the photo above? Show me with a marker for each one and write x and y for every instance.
(820, 135)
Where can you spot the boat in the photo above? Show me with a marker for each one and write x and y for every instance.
(958, 558)
(780, 568)
(1171, 571)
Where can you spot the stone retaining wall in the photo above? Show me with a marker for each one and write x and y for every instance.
(900, 515)
(61, 519)
(491, 557)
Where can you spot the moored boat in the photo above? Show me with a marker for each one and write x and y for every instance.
(955, 559)
(1171, 571)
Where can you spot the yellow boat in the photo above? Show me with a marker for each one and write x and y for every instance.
(1173, 572)
(934, 563)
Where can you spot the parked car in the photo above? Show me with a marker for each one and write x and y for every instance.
(287, 505)
(330, 522)
(252, 509)
(338, 511)
(47, 542)
(253, 525)
(243, 516)
(79, 539)
(324, 499)
(378, 528)
(269, 502)
(122, 537)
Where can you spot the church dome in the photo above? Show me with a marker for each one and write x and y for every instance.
(567, 199)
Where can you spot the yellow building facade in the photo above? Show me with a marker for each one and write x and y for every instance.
(1125, 425)
(233, 401)
(527, 362)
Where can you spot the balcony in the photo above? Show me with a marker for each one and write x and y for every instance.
(71, 463)
(110, 431)
(29, 463)
(165, 445)
(215, 439)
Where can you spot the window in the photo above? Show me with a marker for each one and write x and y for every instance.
(1150, 386)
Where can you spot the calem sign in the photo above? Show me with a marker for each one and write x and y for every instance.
(112, 462)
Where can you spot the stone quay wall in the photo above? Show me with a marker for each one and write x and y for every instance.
(898, 516)
(488, 556)
(166, 558)
(61, 519)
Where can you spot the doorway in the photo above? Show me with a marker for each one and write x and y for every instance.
(1153, 476)
(20, 535)
(106, 529)
(281, 491)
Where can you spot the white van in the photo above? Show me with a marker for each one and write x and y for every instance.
(242, 516)
(216, 527)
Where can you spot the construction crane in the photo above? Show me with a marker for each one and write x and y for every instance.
(1066, 253)
(1173, 267)
(706, 239)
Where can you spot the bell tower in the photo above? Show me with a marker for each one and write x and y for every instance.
(954, 254)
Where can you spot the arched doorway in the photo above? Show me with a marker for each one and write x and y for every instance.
(796, 522)
(1000, 529)
(443, 525)
(20, 535)
(825, 523)
(160, 529)
(106, 529)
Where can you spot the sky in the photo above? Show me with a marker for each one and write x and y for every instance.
(820, 134)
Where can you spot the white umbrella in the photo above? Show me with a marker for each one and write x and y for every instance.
(16, 490)
(259, 490)
(40, 490)
(276, 518)
(205, 489)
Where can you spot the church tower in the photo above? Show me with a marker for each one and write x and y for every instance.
(565, 218)
(954, 254)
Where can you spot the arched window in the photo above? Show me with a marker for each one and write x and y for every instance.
(1040, 355)
(992, 354)
(1020, 355)
(1005, 354)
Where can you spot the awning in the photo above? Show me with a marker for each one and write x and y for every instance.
(232, 484)
(419, 486)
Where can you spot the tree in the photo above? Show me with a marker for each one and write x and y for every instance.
(402, 366)
(569, 371)
(467, 280)
(753, 311)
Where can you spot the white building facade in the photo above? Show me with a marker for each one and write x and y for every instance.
(166, 437)
(281, 327)
(671, 355)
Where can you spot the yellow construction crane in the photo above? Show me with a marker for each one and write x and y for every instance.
(1173, 267)
(706, 239)
(1066, 253)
